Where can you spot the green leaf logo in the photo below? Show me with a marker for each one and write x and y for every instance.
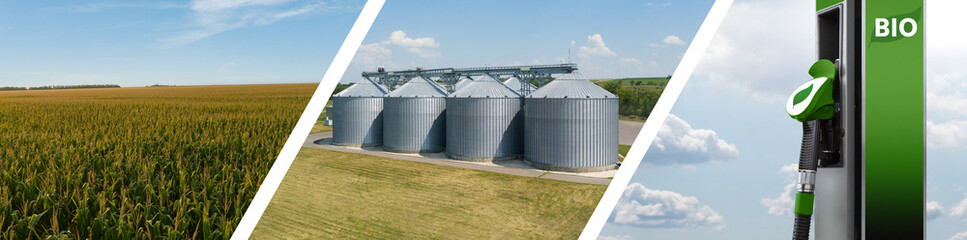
(801, 95)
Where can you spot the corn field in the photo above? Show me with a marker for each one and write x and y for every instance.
(142, 163)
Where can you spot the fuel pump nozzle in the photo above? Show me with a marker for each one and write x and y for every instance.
(814, 106)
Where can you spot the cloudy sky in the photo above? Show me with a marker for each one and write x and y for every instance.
(606, 39)
(724, 164)
(180, 42)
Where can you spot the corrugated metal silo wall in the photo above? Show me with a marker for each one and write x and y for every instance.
(575, 134)
(357, 121)
(482, 129)
(414, 124)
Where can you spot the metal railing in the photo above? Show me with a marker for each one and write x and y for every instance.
(450, 76)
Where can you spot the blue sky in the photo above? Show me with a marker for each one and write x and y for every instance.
(138, 43)
(743, 146)
(606, 39)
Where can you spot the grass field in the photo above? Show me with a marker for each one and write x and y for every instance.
(143, 163)
(320, 125)
(623, 150)
(336, 195)
(633, 119)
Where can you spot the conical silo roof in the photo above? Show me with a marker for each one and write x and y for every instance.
(485, 87)
(514, 83)
(462, 83)
(363, 88)
(419, 87)
(571, 86)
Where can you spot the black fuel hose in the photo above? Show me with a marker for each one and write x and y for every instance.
(808, 162)
(807, 152)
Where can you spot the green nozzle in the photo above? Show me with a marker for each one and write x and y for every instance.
(814, 100)
(804, 203)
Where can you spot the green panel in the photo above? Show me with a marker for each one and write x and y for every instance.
(894, 115)
(804, 203)
(821, 4)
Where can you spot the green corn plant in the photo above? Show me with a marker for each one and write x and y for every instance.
(145, 163)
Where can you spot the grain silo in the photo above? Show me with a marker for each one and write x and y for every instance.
(357, 112)
(484, 122)
(515, 83)
(414, 119)
(571, 125)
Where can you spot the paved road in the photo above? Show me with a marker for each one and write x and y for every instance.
(628, 131)
(513, 167)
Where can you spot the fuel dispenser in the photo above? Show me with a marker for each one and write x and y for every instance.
(861, 164)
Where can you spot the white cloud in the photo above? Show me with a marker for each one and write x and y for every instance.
(423, 52)
(959, 236)
(673, 40)
(960, 210)
(754, 55)
(419, 46)
(210, 17)
(381, 53)
(595, 47)
(372, 55)
(946, 92)
(290, 13)
(934, 210)
(99, 6)
(946, 77)
(944, 25)
(220, 5)
(950, 135)
(597, 60)
(783, 204)
(678, 143)
(670, 40)
(622, 237)
(946, 85)
(398, 38)
(643, 207)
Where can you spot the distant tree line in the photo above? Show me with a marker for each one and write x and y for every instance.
(634, 101)
(642, 82)
(75, 86)
(61, 87)
(12, 88)
(340, 87)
